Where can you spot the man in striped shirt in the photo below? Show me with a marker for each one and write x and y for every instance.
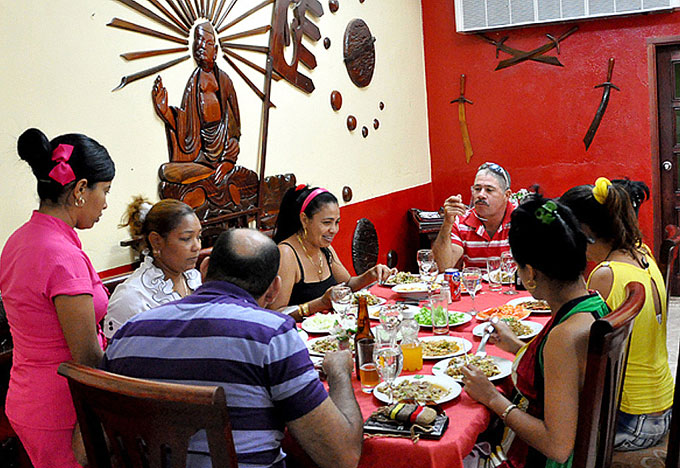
(471, 235)
(223, 335)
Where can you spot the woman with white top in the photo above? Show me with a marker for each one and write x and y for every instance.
(170, 233)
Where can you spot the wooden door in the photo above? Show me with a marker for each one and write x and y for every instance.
(668, 95)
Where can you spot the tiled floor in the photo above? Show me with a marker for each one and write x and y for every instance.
(673, 328)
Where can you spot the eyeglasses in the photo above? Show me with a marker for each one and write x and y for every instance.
(496, 169)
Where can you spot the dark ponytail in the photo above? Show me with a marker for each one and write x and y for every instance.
(288, 220)
(89, 160)
(545, 234)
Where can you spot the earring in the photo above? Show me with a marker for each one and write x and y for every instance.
(530, 285)
(80, 201)
(304, 230)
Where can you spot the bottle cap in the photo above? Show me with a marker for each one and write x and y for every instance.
(408, 313)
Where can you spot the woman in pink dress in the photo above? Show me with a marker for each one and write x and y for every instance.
(52, 294)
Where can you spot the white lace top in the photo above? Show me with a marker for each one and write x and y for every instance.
(144, 289)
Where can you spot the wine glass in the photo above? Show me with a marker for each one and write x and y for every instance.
(389, 361)
(472, 278)
(426, 263)
(509, 266)
(341, 298)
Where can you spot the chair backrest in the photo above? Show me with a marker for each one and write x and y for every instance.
(364, 246)
(673, 451)
(601, 393)
(146, 423)
(669, 255)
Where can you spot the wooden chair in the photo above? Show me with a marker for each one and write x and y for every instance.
(146, 423)
(599, 401)
(364, 246)
(669, 256)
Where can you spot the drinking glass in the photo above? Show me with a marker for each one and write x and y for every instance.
(389, 361)
(368, 374)
(510, 267)
(472, 277)
(439, 308)
(390, 318)
(341, 298)
(495, 273)
(426, 264)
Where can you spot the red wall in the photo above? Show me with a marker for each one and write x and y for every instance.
(390, 216)
(531, 118)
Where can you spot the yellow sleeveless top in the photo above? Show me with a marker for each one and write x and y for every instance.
(648, 385)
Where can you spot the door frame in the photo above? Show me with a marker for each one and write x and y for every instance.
(652, 44)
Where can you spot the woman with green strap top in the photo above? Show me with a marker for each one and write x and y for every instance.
(541, 414)
(607, 216)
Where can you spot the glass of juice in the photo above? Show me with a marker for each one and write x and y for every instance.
(368, 374)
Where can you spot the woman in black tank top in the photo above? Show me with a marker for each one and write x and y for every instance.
(307, 223)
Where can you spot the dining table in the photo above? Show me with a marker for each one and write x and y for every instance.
(467, 418)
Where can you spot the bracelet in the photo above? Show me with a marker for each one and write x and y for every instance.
(304, 309)
(507, 411)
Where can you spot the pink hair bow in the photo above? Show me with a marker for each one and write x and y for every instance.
(62, 172)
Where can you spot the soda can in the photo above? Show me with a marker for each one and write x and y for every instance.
(453, 276)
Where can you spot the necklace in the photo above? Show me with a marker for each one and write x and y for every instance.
(304, 249)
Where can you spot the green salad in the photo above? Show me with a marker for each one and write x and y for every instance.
(424, 317)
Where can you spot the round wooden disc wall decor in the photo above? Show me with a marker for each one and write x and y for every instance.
(359, 52)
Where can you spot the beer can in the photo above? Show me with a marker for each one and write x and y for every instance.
(452, 275)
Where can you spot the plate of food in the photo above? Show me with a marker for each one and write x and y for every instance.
(320, 323)
(494, 367)
(325, 344)
(303, 334)
(374, 302)
(403, 277)
(375, 313)
(422, 388)
(529, 303)
(424, 317)
(504, 311)
(506, 278)
(524, 329)
(444, 346)
(415, 290)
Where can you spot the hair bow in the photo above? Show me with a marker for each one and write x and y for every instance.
(547, 213)
(62, 172)
(601, 189)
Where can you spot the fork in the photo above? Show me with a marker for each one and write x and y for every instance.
(481, 350)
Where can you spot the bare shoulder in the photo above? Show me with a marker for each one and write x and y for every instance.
(601, 279)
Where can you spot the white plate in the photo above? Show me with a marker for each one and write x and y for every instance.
(465, 345)
(448, 383)
(309, 344)
(319, 323)
(504, 365)
(506, 277)
(465, 318)
(535, 329)
(522, 300)
(413, 290)
(303, 334)
(375, 314)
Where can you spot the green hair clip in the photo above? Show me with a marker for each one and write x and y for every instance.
(547, 213)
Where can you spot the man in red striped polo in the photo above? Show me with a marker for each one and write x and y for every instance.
(470, 235)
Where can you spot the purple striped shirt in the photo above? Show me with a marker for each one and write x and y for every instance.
(220, 336)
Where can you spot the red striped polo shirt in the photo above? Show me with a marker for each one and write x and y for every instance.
(470, 233)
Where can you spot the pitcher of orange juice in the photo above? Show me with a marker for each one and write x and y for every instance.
(410, 345)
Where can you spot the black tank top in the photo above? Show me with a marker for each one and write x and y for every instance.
(304, 292)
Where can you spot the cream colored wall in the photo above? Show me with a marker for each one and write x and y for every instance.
(59, 63)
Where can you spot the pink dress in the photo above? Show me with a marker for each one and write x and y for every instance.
(43, 259)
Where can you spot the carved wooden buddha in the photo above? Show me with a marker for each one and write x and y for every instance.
(203, 138)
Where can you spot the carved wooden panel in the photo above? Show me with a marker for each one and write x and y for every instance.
(359, 52)
(364, 246)
(274, 189)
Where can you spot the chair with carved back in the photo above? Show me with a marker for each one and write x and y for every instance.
(669, 256)
(601, 393)
(364, 246)
(146, 423)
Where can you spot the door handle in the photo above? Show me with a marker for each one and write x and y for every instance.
(667, 166)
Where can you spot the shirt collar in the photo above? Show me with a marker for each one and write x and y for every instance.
(56, 223)
(220, 292)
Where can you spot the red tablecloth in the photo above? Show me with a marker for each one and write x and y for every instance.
(467, 418)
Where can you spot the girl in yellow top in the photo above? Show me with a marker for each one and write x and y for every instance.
(615, 243)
